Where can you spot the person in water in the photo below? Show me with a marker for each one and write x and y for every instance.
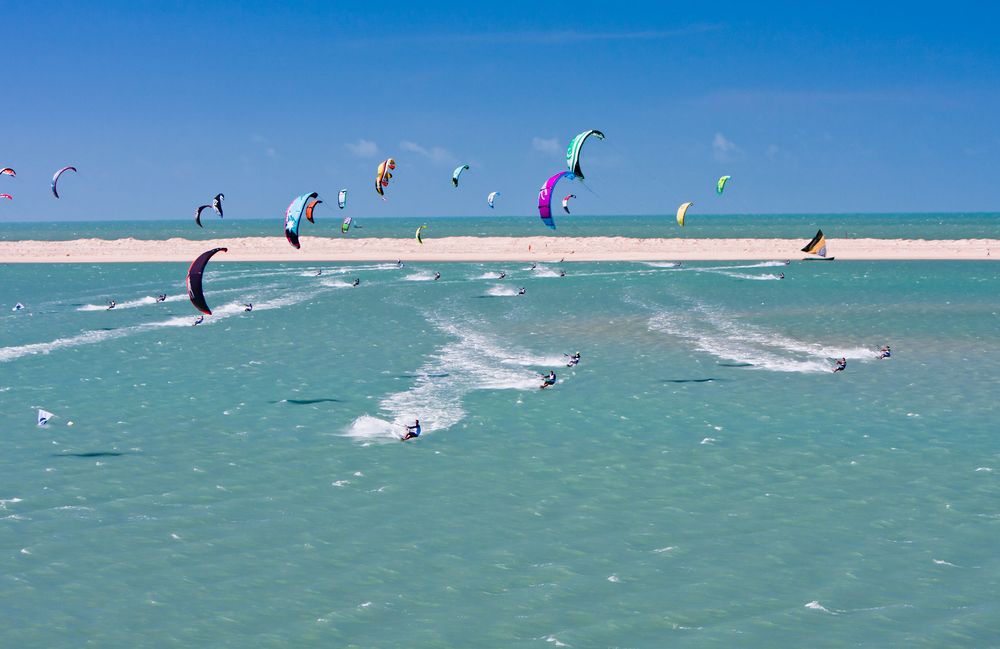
(437, 276)
(357, 280)
(319, 272)
(885, 352)
(399, 262)
(248, 307)
(841, 365)
(562, 273)
(18, 306)
(781, 276)
(573, 359)
(412, 431)
(198, 321)
(521, 291)
(788, 261)
(162, 297)
(548, 380)
(502, 275)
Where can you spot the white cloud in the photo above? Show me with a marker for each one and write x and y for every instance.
(363, 148)
(546, 145)
(435, 153)
(724, 149)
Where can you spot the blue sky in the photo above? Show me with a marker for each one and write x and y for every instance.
(810, 108)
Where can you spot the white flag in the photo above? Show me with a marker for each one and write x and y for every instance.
(44, 416)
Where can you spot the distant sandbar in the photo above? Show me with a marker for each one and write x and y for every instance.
(472, 249)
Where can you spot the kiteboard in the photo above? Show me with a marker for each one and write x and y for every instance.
(818, 258)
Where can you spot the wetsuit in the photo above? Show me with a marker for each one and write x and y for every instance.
(411, 432)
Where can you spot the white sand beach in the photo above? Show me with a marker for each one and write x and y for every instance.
(458, 249)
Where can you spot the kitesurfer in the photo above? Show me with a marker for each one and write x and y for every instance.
(885, 352)
(841, 365)
(521, 291)
(437, 276)
(788, 261)
(548, 380)
(162, 297)
(533, 266)
(781, 276)
(399, 263)
(112, 305)
(198, 320)
(319, 272)
(562, 273)
(18, 307)
(412, 431)
(502, 275)
(573, 359)
(357, 280)
(248, 307)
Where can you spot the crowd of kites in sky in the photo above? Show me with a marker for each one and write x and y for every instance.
(304, 205)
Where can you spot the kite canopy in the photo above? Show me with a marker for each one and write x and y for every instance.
(293, 216)
(383, 176)
(346, 225)
(194, 275)
(566, 201)
(7, 196)
(721, 184)
(310, 207)
(418, 236)
(545, 197)
(681, 212)
(458, 172)
(197, 214)
(575, 147)
(43, 417)
(491, 198)
(817, 246)
(7, 171)
(56, 176)
(217, 204)
(342, 199)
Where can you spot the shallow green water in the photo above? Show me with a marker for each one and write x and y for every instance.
(700, 479)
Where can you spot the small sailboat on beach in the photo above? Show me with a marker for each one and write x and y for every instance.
(817, 247)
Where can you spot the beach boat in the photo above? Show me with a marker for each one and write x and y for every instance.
(817, 247)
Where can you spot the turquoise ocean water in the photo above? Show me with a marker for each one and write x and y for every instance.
(701, 479)
(761, 226)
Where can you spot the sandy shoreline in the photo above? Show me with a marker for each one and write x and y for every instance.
(276, 249)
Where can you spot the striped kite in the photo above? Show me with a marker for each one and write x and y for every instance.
(575, 147)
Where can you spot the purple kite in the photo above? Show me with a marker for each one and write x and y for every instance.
(545, 197)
